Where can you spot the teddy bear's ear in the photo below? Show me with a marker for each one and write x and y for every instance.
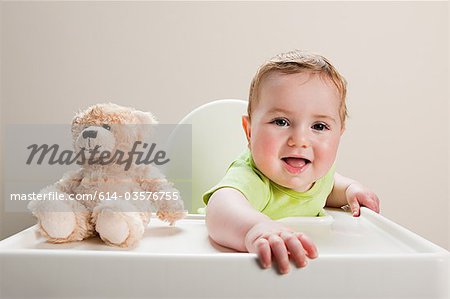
(76, 120)
(145, 118)
(145, 122)
(81, 114)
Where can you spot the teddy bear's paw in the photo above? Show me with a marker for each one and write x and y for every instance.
(171, 217)
(57, 226)
(112, 227)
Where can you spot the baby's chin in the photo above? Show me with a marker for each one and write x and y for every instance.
(295, 184)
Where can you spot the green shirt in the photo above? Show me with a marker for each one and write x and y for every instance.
(270, 198)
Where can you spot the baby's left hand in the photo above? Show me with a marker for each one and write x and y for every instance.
(357, 195)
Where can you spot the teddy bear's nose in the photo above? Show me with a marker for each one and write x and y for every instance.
(90, 134)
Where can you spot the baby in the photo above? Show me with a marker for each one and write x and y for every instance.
(296, 117)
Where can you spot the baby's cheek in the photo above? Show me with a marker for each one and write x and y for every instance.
(264, 154)
(264, 145)
(326, 156)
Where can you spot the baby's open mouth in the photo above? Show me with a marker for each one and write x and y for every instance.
(296, 162)
(295, 165)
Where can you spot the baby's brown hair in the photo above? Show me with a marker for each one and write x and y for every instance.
(294, 62)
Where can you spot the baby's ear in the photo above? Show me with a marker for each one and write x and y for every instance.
(246, 126)
(342, 129)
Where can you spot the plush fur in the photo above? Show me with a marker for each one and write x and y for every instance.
(117, 222)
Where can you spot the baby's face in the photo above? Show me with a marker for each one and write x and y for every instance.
(295, 129)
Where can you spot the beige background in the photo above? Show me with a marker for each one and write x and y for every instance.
(171, 57)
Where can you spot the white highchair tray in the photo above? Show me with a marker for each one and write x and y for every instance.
(364, 257)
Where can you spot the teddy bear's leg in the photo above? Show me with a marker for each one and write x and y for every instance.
(62, 220)
(57, 225)
(119, 223)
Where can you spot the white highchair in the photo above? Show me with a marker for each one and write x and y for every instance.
(217, 139)
(365, 257)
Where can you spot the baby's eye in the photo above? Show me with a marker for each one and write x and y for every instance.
(320, 127)
(281, 122)
(107, 127)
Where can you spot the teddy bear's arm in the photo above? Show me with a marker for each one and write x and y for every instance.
(69, 181)
(169, 204)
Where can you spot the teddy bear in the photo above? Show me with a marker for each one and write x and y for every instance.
(107, 196)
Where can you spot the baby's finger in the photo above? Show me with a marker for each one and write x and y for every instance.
(308, 245)
(370, 201)
(376, 201)
(354, 206)
(262, 248)
(295, 248)
(280, 253)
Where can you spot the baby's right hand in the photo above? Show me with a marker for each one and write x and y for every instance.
(273, 238)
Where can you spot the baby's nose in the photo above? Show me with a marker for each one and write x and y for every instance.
(300, 139)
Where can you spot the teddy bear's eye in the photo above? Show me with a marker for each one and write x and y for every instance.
(107, 127)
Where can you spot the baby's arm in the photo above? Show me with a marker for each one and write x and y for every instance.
(234, 223)
(348, 191)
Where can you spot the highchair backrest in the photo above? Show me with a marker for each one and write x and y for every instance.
(217, 139)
